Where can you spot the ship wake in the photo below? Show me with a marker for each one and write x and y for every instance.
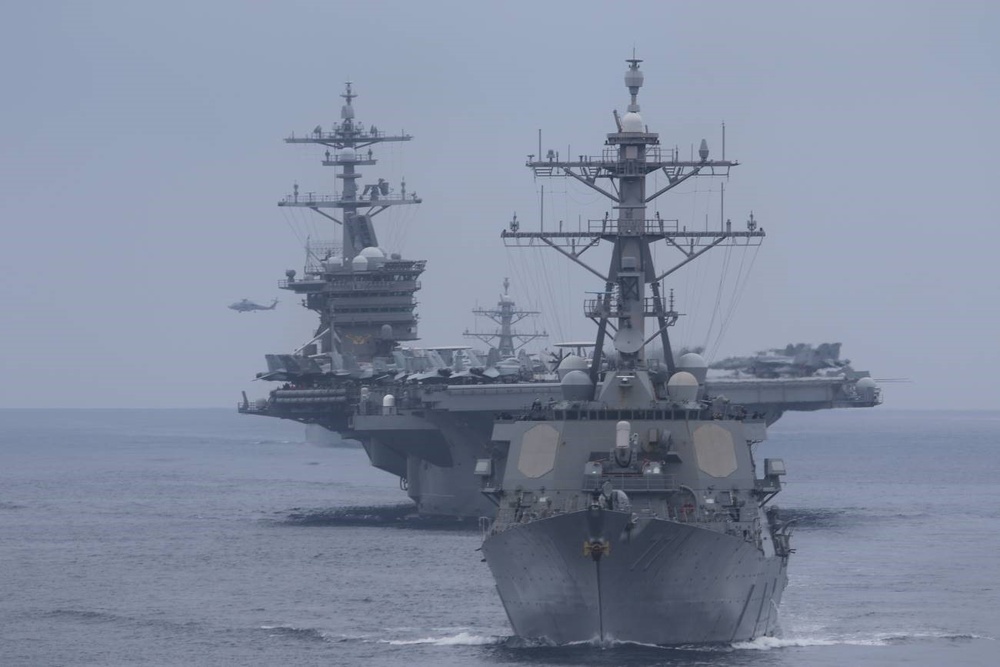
(397, 516)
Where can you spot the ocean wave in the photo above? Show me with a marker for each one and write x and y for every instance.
(844, 517)
(86, 615)
(309, 634)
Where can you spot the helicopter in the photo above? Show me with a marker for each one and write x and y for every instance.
(247, 306)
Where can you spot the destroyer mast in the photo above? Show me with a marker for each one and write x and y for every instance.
(506, 315)
(632, 153)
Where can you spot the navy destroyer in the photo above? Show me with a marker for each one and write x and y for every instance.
(630, 509)
(426, 415)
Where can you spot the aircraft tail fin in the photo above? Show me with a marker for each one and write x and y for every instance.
(273, 305)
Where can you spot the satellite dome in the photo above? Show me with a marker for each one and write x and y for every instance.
(359, 263)
(867, 389)
(576, 386)
(346, 154)
(694, 364)
(692, 360)
(572, 362)
(632, 122)
(374, 256)
(682, 387)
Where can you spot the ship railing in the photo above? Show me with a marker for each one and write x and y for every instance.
(371, 403)
(609, 156)
(358, 135)
(308, 280)
(366, 285)
(336, 160)
(662, 483)
(643, 500)
(653, 229)
(314, 277)
(314, 199)
(251, 408)
(601, 307)
(647, 226)
(613, 158)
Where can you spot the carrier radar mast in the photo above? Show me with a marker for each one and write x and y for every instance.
(348, 139)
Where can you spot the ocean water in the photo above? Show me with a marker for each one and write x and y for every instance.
(200, 537)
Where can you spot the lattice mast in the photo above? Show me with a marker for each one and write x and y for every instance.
(632, 153)
(349, 141)
(506, 315)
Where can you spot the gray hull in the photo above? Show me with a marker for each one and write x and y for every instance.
(669, 583)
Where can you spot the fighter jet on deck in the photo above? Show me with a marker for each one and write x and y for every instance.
(246, 306)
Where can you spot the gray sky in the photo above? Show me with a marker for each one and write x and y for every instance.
(142, 161)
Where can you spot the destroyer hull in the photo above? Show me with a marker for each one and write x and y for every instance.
(664, 582)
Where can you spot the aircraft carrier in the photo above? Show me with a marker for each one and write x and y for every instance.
(426, 415)
(364, 296)
(630, 508)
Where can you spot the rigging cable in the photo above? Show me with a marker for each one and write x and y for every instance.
(737, 298)
(718, 295)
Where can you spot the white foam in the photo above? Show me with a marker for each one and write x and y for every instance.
(768, 643)
(879, 639)
(461, 639)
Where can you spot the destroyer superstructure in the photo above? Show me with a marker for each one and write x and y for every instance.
(630, 508)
